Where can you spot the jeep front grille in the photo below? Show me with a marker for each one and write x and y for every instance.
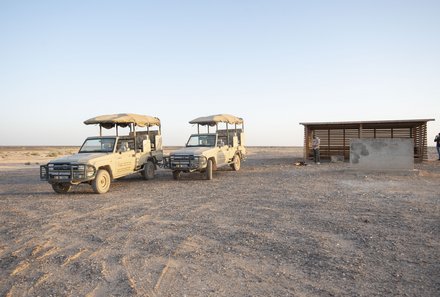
(186, 162)
(66, 172)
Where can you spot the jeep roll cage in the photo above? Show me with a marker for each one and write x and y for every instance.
(123, 120)
(214, 120)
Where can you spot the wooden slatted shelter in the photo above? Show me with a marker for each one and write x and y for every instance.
(335, 136)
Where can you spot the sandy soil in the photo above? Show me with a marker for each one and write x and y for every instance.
(271, 229)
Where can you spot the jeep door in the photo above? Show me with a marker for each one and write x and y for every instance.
(222, 155)
(125, 159)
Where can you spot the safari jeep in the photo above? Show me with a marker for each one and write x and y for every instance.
(104, 158)
(205, 152)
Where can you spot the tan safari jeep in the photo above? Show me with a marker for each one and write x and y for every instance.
(205, 152)
(104, 158)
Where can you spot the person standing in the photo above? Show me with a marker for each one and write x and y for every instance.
(437, 139)
(315, 146)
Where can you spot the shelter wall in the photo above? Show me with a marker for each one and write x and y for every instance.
(384, 154)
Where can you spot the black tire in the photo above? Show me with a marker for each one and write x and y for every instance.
(176, 174)
(148, 172)
(236, 163)
(208, 171)
(102, 181)
(61, 188)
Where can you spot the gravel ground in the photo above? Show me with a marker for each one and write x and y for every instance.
(270, 229)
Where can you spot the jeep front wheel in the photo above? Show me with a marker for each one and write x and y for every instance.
(61, 188)
(208, 171)
(148, 172)
(236, 163)
(101, 183)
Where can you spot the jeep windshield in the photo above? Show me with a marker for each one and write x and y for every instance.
(98, 145)
(201, 140)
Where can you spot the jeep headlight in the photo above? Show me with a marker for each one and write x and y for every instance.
(43, 172)
(90, 170)
(201, 161)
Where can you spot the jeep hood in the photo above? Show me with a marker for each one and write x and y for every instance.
(79, 158)
(192, 151)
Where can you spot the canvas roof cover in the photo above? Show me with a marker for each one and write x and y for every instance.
(123, 119)
(218, 118)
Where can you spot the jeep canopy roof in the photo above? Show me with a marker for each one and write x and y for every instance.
(123, 120)
(218, 118)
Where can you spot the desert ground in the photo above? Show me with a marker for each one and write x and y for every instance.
(270, 229)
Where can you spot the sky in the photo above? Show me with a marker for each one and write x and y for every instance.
(274, 63)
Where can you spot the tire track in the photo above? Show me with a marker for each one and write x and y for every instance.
(48, 253)
(74, 257)
(20, 267)
(140, 284)
(188, 245)
(42, 279)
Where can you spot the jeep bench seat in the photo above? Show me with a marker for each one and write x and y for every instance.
(223, 135)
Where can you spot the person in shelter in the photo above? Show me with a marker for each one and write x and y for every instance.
(315, 146)
(437, 139)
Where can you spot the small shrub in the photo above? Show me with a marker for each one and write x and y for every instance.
(27, 163)
(53, 154)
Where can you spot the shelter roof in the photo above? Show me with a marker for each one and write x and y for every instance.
(369, 124)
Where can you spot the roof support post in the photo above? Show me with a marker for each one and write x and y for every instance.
(134, 134)
(328, 142)
(421, 142)
(227, 132)
(306, 142)
(100, 130)
(343, 142)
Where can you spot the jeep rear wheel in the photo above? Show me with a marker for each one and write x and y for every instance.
(208, 171)
(148, 172)
(61, 188)
(176, 174)
(236, 163)
(101, 183)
